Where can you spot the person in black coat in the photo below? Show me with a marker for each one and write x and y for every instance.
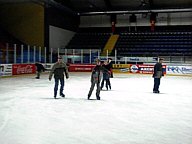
(39, 68)
(106, 76)
(157, 74)
(95, 79)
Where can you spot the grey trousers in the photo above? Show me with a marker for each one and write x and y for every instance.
(97, 90)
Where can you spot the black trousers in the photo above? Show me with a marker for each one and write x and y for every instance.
(156, 84)
(62, 82)
(108, 83)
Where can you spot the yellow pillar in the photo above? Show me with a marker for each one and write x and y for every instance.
(110, 45)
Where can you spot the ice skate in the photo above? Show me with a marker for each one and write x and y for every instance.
(62, 95)
(156, 91)
(88, 96)
(98, 97)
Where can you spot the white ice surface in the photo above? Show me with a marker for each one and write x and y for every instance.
(128, 114)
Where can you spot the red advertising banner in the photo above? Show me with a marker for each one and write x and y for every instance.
(144, 69)
(81, 67)
(23, 69)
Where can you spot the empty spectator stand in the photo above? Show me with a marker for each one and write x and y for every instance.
(166, 43)
(88, 40)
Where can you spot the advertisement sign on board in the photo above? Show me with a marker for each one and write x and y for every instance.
(5, 69)
(23, 69)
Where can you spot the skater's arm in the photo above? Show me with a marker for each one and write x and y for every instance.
(155, 70)
(66, 72)
(51, 72)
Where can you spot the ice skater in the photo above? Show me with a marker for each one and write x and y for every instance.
(95, 79)
(39, 69)
(157, 74)
(106, 76)
(58, 69)
(110, 67)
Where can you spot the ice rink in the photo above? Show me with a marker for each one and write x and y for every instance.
(128, 114)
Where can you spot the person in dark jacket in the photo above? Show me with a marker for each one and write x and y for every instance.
(39, 69)
(110, 67)
(95, 79)
(157, 74)
(106, 76)
(58, 69)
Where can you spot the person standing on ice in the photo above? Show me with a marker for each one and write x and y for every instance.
(106, 76)
(110, 67)
(95, 79)
(157, 74)
(58, 69)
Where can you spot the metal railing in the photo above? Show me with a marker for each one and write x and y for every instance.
(31, 54)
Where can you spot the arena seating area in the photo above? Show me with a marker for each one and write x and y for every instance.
(88, 40)
(155, 43)
(166, 41)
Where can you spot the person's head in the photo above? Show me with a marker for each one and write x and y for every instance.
(161, 60)
(109, 60)
(102, 62)
(98, 62)
(59, 59)
(37, 62)
(105, 62)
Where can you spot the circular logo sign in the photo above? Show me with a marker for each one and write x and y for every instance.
(134, 68)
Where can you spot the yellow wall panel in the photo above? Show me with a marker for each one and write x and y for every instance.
(24, 21)
(121, 66)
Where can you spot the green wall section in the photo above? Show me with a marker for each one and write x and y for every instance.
(24, 21)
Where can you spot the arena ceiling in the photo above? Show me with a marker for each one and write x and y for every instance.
(113, 6)
(86, 6)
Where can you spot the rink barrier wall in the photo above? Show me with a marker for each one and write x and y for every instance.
(81, 67)
(18, 69)
(144, 69)
(136, 68)
(169, 69)
(5, 69)
(179, 70)
(74, 67)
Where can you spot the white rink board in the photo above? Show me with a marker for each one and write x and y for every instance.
(5, 69)
(179, 70)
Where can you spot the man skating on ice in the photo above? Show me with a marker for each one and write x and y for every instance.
(95, 79)
(157, 74)
(58, 69)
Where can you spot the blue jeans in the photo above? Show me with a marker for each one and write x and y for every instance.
(156, 84)
(56, 85)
